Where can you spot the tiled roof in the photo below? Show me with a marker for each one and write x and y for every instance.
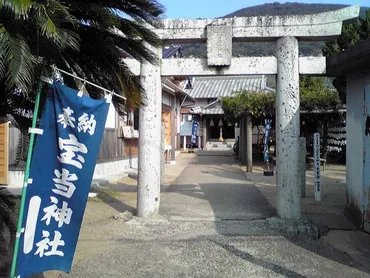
(213, 108)
(221, 86)
(213, 111)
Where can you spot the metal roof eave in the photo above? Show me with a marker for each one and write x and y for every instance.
(177, 90)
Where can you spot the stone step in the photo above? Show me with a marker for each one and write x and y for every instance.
(219, 150)
(214, 153)
(219, 145)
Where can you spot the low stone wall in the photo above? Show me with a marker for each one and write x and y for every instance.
(114, 167)
(15, 178)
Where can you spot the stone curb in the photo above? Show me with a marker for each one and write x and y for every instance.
(98, 183)
(133, 175)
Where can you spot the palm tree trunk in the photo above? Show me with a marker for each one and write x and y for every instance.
(21, 153)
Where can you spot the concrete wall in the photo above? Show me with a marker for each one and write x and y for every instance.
(355, 143)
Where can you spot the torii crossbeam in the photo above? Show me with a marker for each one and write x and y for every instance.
(219, 34)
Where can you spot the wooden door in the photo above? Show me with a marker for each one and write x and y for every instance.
(166, 118)
(4, 150)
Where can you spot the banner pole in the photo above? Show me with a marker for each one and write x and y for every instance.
(26, 176)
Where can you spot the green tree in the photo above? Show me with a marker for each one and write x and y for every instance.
(351, 35)
(314, 95)
(86, 37)
(89, 38)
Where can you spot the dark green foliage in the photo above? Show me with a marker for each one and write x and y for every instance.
(245, 102)
(314, 95)
(89, 38)
(351, 34)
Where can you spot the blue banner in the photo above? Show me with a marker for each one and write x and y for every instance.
(266, 141)
(63, 162)
(194, 132)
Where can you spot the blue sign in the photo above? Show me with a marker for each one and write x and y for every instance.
(194, 132)
(63, 162)
(266, 141)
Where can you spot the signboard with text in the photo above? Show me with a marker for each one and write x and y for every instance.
(186, 129)
(194, 132)
(266, 140)
(61, 171)
(316, 156)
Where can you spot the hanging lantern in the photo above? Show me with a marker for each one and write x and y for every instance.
(212, 123)
(220, 123)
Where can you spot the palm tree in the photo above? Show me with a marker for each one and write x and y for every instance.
(87, 37)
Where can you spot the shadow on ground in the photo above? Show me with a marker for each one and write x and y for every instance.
(112, 199)
(215, 188)
(262, 263)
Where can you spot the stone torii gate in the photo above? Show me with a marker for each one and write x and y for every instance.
(219, 34)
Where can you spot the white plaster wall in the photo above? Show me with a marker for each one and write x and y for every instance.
(355, 130)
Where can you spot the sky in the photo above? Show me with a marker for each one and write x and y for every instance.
(217, 8)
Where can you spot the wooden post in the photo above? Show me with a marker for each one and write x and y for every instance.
(249, 149)
(4, 153)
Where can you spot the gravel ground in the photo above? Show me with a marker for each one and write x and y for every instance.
(214, 249)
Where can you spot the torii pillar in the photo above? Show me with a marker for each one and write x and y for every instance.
(288, 199)
(150, 138)
(286, 65)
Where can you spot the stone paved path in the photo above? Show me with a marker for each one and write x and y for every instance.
(214, 188)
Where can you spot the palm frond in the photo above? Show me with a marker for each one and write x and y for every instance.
(146, 10)
(135, 30)
(16, 55)
(50, 17)
(18, 7)
(89, 37)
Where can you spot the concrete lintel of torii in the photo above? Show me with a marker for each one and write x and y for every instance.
(239, 66)
(287, 31)
(322, 26)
